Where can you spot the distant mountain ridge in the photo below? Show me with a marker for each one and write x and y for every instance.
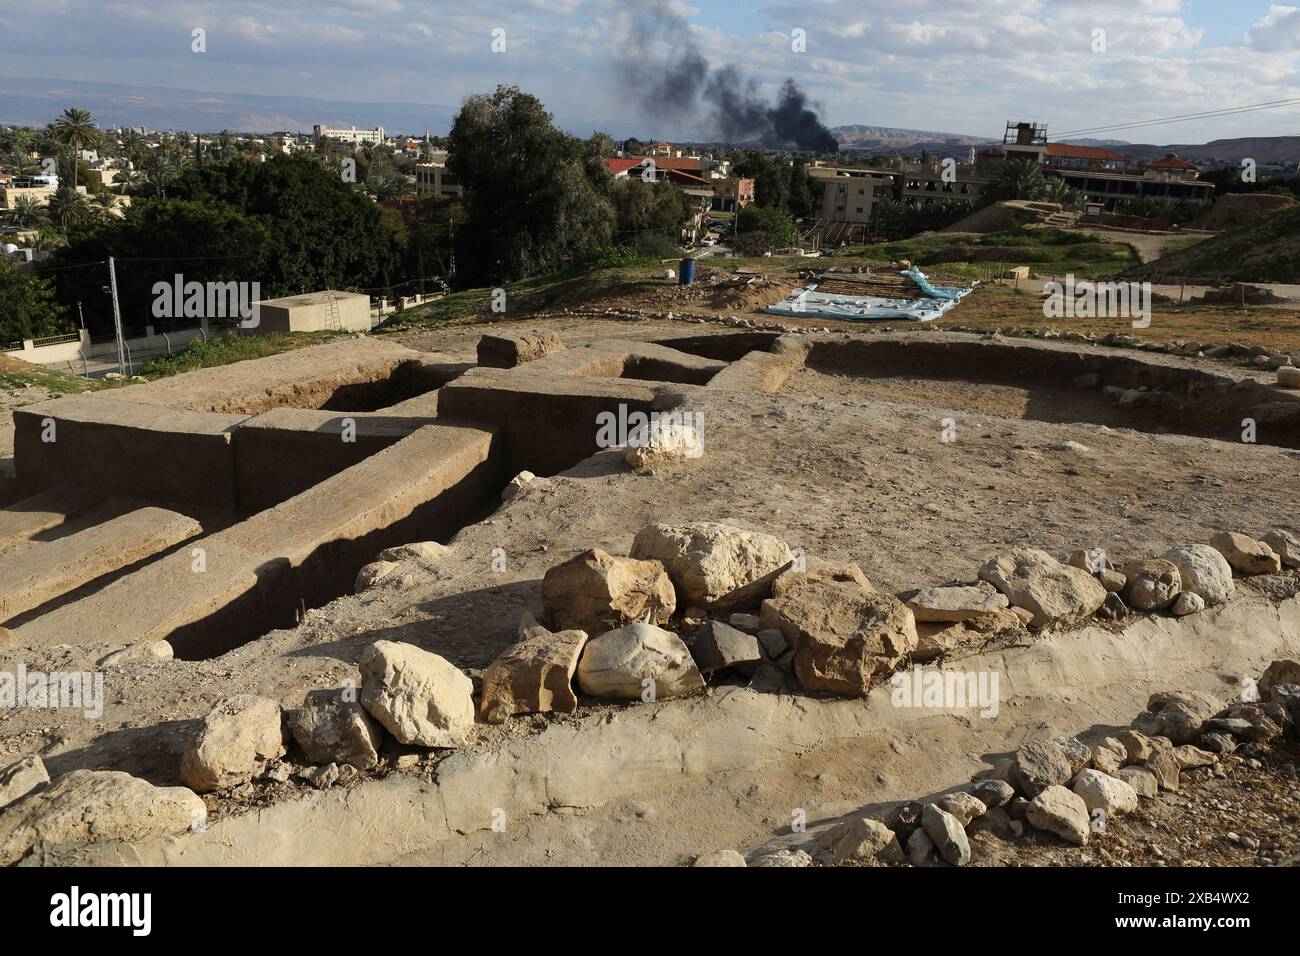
(35, 102)
(911, 142)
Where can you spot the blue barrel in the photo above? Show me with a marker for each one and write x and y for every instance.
(687, 274)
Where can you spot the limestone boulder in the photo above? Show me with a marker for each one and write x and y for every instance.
(1164, 767)
(1187, 603)
(426, 553)
(1142, 780)
(332, 729)
(1062, 812)
(1102, 791)
(719, 646)
(964, 806)
(668, 444)
(861, 840)
(947, 834)
(1053, 592)
(373, 573)
(1285, 544)
(845, 636)
(1203, 571)
(1276, 674)
(955, 603)
(1038, 765)
(20, 778)
(91, 806)
(636, 660)
(715, 566)
(1245, 554)
(596, 592)
(993, 792)
(509, 349)
(420, 698)
(237, 739)
(1177, 715)
(534, 676)
(517, 484)
(1152, 585)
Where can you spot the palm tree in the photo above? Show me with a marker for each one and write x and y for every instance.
(45, 241)
(74, 129)
(104, 203)
(27, 213)
(1017, 179)
(1069, 197)
(158, 170)
(225, 144)
(68, 207)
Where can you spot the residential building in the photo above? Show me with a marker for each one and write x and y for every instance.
(435, 179)
(850, 194)
(733, 194)
(40, 187)
(353, 135)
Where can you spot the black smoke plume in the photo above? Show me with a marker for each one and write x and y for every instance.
(681, 86)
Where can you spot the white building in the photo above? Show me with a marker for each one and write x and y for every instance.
(355, 136)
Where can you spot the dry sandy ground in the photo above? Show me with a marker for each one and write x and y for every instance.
(847, 469)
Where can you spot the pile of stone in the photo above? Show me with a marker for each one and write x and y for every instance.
(1062, 786)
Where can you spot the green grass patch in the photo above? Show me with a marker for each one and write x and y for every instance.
(1053, 251)
(227, 349)
(56, 383)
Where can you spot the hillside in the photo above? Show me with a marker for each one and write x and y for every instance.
(1267, 250)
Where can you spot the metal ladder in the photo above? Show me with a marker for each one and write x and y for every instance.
(333, 320)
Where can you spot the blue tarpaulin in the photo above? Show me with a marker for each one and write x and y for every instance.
(932, 302)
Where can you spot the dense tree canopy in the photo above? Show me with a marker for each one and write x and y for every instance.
(155, 241)
(533, 203)
(28, 309)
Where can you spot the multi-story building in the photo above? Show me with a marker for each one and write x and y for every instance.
(733, 194)
(435, 179)
(353, 135)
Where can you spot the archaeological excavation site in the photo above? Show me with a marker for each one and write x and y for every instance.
(624, 590)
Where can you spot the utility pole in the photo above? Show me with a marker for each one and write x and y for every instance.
(117, 317)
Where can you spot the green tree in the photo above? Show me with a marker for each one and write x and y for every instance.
(27, 213)
(760, 230)
(322, 232)
(28, 309)
(74, 129)
(800, 202)
(648, 209)
(1016, 179)
(532, 206)
(154, 241)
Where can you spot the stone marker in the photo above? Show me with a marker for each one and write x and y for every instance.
(90, 806)
(420, 698)
(636, 660)
(1245, 554)
(235, 742)
(596, 592)
(533, 676)
(1037, 582)
(1059, 811)
(330, 729)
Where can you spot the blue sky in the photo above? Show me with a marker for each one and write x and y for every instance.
(961, 66)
